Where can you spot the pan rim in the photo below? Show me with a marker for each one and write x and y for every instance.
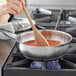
(70, 36)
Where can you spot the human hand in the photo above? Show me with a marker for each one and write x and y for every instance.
(15, 6)
(11, 6)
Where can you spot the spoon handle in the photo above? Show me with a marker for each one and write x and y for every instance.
(28, 16)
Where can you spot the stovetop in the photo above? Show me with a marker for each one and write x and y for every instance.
(17, 64)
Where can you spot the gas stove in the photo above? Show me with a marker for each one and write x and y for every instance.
(17, 64)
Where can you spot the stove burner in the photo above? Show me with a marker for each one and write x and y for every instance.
(43, 65)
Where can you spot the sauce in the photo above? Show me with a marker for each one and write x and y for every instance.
(34, 43)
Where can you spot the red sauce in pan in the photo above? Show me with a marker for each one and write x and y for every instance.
(51, 43)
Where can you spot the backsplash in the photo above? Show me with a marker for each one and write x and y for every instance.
(66, 4)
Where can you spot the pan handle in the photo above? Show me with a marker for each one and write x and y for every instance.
(73, 39)
(67, 64)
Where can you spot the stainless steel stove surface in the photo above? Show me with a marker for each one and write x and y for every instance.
(17, 64)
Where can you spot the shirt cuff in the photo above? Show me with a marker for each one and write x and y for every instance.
(11, 17)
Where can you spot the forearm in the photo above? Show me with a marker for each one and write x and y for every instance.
(4, 18)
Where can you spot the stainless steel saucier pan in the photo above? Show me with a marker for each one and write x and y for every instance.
(45, 52)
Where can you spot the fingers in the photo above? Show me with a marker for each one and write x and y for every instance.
(14, 9)
(16, 6)
(22, 1)
(11, 6)
(19, 6)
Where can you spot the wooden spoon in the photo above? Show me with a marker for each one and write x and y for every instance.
(38, 36)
